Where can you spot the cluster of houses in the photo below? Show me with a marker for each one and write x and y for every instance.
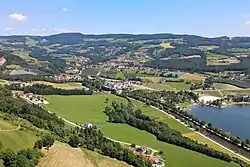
(34, 98)
(156, 161)
(237, 98)
(67, 77)
(117, 85)
(2, 60)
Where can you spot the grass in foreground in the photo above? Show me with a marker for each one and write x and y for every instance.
(61, 154)
(15, 139)
(82, 109)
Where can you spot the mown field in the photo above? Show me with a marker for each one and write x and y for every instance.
(169, 86)
(82, 109)
(194, 78)
(226, 86)
(14, 138)
(67, 86)
(61, 154)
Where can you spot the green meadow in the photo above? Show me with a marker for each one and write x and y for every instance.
(14, 138)
(82, 109)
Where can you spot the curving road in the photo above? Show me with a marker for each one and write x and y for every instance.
(117, 141)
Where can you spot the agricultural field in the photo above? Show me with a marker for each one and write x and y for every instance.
(241, 92)
(166, 45)
(82, 109)
(61, 154)
(168, 86)
(179, 85)
(215, 93)
(218, 59)
(226, 86)
(159, 86)
(66, 86)
(194, 78)
(154, 79)
(90, 71)
(23, 54)
(15, 138)
(13, 67)
(119, 75)
(205, 48)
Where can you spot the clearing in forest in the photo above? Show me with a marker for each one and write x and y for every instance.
(166, 45)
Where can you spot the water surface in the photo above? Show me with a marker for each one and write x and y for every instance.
(234, 119)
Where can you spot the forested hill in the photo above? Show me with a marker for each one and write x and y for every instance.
(75, 38)
(50, 55)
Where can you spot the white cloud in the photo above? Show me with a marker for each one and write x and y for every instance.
(65, 9)
(61, 30)
(247, 22)
(8, 29)
(17, 16)
(39, 31)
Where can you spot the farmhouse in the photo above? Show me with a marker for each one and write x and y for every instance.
(87, 125)
(34, 98)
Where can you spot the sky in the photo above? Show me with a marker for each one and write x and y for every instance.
(199, 17)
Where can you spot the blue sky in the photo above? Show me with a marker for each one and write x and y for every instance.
(199, 17)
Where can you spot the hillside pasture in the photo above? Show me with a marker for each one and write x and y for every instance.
(61, 154)
(166, 45)
(90, 71)
(13, 67)
(67, 86)
(23, 54)
(219, 59)
(15, 138)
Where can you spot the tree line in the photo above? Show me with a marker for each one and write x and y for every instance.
(91, 139)
(121, 113)
(43, 89)
(189, 119)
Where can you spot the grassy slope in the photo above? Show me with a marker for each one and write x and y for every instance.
(16, 140)
(90, 109)
(61, 154)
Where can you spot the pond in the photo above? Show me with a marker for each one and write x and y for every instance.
(234, 119)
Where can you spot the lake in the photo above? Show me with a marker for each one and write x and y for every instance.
(234, 119)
